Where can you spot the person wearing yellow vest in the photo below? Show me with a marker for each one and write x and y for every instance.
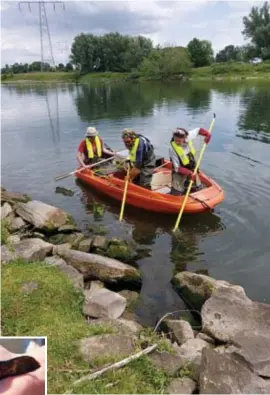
(141, 156)
(182, 155)
(92, 148)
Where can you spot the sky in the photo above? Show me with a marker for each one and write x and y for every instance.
(165, 22)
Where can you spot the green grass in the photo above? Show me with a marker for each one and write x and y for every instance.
(106, 76)
(54, 309)
(57, 76)
(5, 230)
(232, 70)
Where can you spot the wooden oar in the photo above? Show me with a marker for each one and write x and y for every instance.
(191, 181)
(125, 194)
(65, 175)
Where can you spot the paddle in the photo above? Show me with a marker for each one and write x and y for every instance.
(125, 194)
(191, 181)
(65, 175)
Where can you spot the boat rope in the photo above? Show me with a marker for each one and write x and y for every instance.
(202, 202)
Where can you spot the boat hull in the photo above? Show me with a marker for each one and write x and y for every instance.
(155, 201)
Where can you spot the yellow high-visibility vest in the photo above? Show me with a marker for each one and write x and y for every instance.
(181, 152)
(133, 151)
(90, 148)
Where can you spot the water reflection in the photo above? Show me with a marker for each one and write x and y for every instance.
(147, 227)
(254, 120)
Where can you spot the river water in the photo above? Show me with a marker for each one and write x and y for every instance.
(42, 127)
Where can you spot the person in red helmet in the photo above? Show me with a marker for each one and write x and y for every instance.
(182, 155)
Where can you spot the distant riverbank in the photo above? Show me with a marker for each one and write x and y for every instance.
(219, 71)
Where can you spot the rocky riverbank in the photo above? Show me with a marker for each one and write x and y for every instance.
(227, 352)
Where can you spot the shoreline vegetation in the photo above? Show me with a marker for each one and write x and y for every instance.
(117, 57)
(234, 71)
(75, 288)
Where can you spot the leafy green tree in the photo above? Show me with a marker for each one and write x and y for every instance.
(230, 53)
(166, 62)
(61, 67)
(257, 28)
(69, 67)
(111, 52)
(200, 52)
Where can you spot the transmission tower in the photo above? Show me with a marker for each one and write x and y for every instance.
(44, 30)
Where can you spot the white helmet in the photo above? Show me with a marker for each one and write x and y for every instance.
(91, 132)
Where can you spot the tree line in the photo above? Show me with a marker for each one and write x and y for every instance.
(19, 68)
(122, 53)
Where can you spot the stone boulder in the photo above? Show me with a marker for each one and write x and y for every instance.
(99, 243)
(197, 288)
(94, 266)
(6, 255)
(229, 374)
(166, 361)
(122, 250)
(179, 330)
(74, 239)
(181, 386)
(6, 210)
(103, 303)
(205, 337)
(17, 223)
(191, 351)
(232, 317)
(14, 197)
(41, 215)
(70, 271)
(29, 250)
(85, 245)
(106, 346)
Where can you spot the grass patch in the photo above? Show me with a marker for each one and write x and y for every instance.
(5, 230)
(54, 309)
(106, 76)
(232, 70)
(57, 76)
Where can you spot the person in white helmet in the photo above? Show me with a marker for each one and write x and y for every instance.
(92, 148)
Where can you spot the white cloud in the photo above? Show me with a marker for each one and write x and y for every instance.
(175, 22)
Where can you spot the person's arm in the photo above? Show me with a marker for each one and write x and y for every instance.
(80, 153)
(205, 134)
(178, 167)
(174, 159)
(135, 171)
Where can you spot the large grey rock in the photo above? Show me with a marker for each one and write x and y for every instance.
(70, 271)
(232, 317)
(17, 223)
(97, 266)
(166, 361)
(85, 245)
(103, 303)
(197, 288)
(181, 386)
(13, 197)
(69, 228)
(41, 215)
(100, 242)
(191, 350)
(229, 374)
(179, 330)
(29, 250)
(6, 255)
(6, 209)
(205, 337)
(102, 346)
(59, 247)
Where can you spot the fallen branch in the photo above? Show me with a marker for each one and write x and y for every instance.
(116, 365)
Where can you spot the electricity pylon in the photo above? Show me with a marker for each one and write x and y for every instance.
(44, 30)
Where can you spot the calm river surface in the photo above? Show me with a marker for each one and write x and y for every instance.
(42, 127)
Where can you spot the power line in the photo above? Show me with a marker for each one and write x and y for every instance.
(44, 30)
